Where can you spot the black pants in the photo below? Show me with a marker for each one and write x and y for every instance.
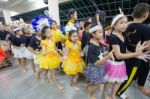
(135, 69)
(131, 68)
(142, 73)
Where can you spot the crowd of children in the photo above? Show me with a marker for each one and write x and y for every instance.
(116, 68)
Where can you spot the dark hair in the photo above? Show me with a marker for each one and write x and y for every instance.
(71, 32)
(86, 24)
(53, 22)
(140, 9)
(71, 12)
(87, 18)
(16, 31)
(43, 32)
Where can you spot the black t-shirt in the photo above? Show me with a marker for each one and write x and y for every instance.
(17, 41)
(35, 43)
(93, 53)
(3, 35)
(136, 32)
(27, 40)
(85, 39)
(115, 40)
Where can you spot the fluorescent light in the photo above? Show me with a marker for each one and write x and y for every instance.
(12, 13)
(3, 0)
(31, 0)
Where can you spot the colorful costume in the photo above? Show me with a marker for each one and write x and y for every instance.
(57, 35)
(116, 70)
(73, 64)
(2, 55)
(51, 60)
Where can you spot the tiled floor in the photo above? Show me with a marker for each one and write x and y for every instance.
(17, 85)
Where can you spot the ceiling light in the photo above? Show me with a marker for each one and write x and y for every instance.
(31, 0)
(3, 0)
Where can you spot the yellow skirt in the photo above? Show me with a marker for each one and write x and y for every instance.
(72, 66)
(51, 61)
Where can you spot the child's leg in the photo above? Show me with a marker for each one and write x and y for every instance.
(115, 88)
(23, 64)
(54, 80)
(33, 66)
(8, 56)
(105, 90)
(91, 89)
(74, 81)
(45, 75)
(39, 72)
(19, 62)
(51, 77)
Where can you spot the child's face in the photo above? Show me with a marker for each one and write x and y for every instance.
(48, 33)
(145, 16)
(74, 37)
(121, 25)
(54, 25)
(25, 30)
(74, 16)
(98, 34)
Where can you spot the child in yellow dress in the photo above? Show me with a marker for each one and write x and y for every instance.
(49, 60)
(57, 35)
(73, 63)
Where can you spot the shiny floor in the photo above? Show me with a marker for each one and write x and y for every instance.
(15, 84)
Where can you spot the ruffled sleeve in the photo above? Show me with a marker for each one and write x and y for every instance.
(43, 43)
(68, 44)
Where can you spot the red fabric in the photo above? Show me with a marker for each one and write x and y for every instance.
(2, 55)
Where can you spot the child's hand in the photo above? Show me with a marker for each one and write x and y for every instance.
(145, 56)
(36, 51)
(140, 48)
(59, 51)
(81, 54)
(99, 62)
(63, 58)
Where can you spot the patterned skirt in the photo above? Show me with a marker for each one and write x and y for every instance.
(95, 74)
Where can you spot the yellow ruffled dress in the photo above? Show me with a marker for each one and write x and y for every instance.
(57, 35)
(74, 63)
(51, 60)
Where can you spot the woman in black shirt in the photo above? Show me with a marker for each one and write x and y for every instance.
(18, 48)
(27, 38)
(34, 48)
